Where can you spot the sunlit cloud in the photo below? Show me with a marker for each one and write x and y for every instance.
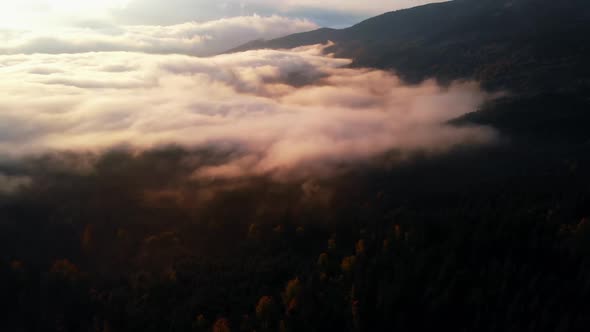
(279, 111)
(47, 13)
(187, 38)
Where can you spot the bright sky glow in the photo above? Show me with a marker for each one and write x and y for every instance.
(86, 4)
(48, 13)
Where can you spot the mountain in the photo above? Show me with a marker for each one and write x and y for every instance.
(526, 46)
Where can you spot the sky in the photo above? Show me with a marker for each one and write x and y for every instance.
(85, 76)
(331, 13)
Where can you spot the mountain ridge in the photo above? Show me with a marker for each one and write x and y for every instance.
(527, 46)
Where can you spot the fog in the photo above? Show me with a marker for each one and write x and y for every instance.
(280, 113)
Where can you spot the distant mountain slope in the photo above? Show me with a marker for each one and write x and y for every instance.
(524, 45)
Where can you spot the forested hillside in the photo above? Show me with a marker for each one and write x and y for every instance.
(525, 46)
(473, 238)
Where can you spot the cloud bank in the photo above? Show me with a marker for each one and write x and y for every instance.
(275, 112)
(189, 38)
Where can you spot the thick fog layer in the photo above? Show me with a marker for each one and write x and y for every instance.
(278, 112)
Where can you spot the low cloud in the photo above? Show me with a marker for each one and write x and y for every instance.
(276, 112)
(191, 38)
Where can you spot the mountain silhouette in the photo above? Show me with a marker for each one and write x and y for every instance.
(525, 46)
